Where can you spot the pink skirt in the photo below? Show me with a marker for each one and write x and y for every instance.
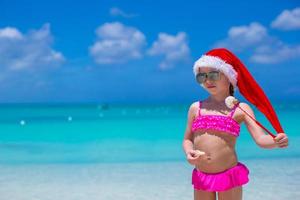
(222, 181)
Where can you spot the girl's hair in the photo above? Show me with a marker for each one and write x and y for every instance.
(231, 90)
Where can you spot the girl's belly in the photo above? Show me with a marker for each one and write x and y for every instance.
(219, 154)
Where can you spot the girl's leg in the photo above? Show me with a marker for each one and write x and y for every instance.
(203, 195)
(232, 194)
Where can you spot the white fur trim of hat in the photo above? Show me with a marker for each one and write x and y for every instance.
(216, 63)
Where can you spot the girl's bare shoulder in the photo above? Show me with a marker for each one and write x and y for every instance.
(194, 105)
(193, 109)
(245, 106)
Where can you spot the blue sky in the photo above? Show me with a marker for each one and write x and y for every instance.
(141, 51)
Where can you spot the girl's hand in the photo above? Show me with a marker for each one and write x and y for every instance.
(281, 140)
(193, 156)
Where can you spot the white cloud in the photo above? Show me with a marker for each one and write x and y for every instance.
(23, 51)
(275, 54)
(287, 20)
(10, 33)
(117, 43)
(265, 48)
(118, 12)
(242, 37)
(174, 49)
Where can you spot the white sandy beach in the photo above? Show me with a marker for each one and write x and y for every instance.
(269, 179)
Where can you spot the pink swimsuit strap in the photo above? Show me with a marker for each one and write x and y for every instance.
(217, 122)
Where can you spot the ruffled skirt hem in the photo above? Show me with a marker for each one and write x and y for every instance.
(222, 181)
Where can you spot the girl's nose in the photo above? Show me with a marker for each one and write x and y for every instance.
(208, 81)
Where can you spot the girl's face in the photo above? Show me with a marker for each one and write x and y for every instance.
(215, 86)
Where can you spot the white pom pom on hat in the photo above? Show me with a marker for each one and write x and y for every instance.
(230, 101)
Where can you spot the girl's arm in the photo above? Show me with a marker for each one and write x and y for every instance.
(187, 144)
(188, 135)
(258, 134)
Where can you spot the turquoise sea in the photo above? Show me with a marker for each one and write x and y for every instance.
(89, 151)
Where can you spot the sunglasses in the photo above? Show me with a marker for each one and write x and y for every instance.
(212, 76)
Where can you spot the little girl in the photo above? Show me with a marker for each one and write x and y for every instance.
(213, 128)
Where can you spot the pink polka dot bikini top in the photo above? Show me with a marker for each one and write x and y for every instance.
(217, 122)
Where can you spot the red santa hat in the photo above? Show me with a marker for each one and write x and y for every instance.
(238, 75)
